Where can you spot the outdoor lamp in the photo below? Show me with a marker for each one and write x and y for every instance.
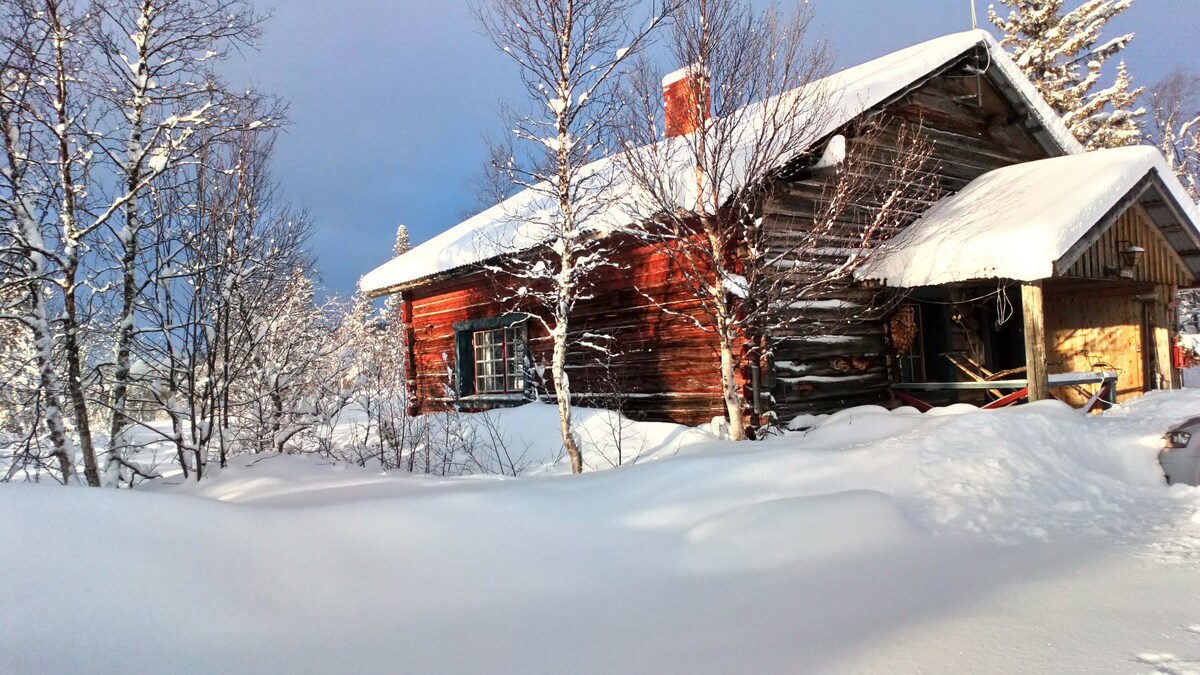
(1129, 254)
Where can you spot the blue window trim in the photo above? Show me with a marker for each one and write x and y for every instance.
(507, 321)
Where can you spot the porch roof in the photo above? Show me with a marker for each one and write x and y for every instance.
(1029, 221)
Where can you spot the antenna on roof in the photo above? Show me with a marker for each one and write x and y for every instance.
(974, 17)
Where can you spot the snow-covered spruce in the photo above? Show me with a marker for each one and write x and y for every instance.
(1061, 52)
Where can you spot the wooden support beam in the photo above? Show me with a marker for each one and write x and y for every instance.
(1007, 400)
(913, 401)
(1035, 341)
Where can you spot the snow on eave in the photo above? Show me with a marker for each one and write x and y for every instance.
(508, 228)
(1019, 222)
(498, 231)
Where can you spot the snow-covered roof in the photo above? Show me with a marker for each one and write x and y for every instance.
(1017, 222)
(510, 226)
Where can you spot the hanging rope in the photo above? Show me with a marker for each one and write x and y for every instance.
(1004, 307)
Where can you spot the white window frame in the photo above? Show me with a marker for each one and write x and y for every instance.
(499, 355)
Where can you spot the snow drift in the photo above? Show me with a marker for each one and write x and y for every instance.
(874, 540)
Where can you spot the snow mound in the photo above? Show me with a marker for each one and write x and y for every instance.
(780, 532)
(1035, 473)
(1031, 473)
(874, 541)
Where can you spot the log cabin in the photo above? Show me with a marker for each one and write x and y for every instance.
(1042, 261)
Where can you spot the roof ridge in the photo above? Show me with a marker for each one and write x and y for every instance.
(504, 228)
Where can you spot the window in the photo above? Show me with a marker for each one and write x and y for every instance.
(499, 357)
(489, 355)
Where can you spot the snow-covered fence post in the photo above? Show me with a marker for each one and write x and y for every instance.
(1035, 341)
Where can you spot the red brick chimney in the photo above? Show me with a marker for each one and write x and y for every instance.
(681, 92)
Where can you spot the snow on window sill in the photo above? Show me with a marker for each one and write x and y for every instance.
(512, 396)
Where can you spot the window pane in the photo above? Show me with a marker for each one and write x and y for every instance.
(499, 359)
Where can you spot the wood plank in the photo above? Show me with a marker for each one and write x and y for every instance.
(1035, 341)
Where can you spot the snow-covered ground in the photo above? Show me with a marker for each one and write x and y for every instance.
(1032, 539)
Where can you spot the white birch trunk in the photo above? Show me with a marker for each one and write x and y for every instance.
(71, 252)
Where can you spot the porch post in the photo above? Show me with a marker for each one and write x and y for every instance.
(1035, 341)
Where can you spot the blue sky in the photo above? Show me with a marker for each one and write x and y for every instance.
(391, 99)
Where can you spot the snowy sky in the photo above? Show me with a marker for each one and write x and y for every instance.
(390, 101)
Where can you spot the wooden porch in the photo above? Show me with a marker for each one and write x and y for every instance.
(1110, 309)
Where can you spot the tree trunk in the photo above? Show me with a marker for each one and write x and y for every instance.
(276, 420)
(562, 390)
(725, 344)
(43, 339)
(226, 337)
(120, 394)
(129, 240)
(71, 236)
(75, 391)
(48, 380)
(729, 388)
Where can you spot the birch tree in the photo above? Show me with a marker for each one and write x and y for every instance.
(570, 55)
(46, 150)
(1061, 52)
(223, 257)
(299, 372)
(154, 74)
(377, 341)
(1175, 126)
(757, 106)
(21, 445)
(104, 104)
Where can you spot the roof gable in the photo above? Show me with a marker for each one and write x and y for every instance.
(1100, 253)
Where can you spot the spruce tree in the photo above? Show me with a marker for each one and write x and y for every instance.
(401, 246)
(392, 306)
(1061, 53)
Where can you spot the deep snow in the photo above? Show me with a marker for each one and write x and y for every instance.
(1032, 539)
